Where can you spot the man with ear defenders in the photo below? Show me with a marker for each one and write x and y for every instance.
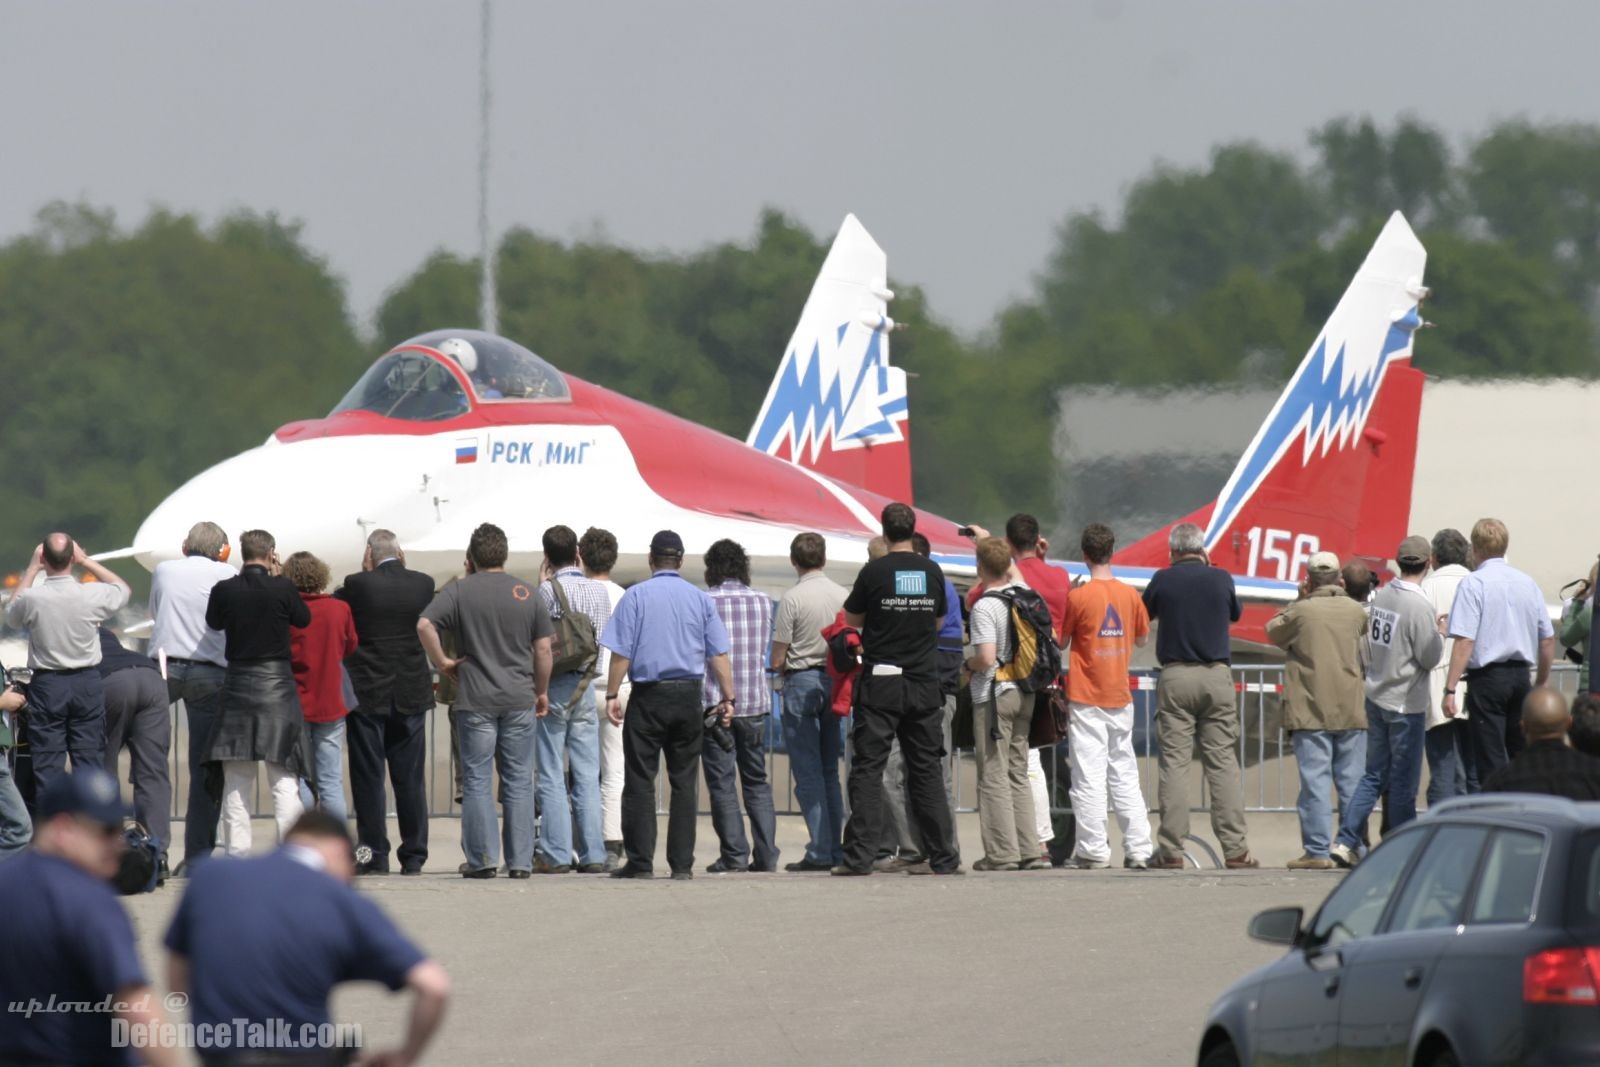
(195, 665)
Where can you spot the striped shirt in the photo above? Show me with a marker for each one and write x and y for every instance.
(587, 596)
(747, 615)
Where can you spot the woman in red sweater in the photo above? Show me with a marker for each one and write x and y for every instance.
(317, 655)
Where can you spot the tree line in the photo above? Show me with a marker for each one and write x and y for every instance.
(135, 357)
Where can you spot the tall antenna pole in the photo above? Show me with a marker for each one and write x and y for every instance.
(487, 311)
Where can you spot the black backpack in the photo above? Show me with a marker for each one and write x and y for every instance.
(140, 868)
(1035, 662)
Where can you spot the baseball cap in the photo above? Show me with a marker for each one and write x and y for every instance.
(90, 792)
(1323, 561)
(1414, 549)
(666, 543)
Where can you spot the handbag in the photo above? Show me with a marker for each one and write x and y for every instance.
(1051, 716)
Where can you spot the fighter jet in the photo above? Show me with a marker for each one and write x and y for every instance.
(457, 427)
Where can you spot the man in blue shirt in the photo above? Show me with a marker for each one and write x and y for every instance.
(662, 635)
(1501, 627)
(68, 938)
(266, 939)
(1192, 605)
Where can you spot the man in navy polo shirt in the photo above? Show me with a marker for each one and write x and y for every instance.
(662, 635)
(67, 936)
(266, 939)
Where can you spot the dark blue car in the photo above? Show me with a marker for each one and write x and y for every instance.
(1470, 937)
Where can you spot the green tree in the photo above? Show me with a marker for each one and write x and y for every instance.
(133, 360)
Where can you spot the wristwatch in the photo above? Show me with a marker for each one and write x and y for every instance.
(611, 696)
(1449, 692)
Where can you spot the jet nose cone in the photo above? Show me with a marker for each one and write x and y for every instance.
(233, 494)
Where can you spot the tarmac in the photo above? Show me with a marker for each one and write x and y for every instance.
(1089, 967)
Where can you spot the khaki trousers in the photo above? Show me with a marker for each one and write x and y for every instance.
(1196, 699)
(1005, 798)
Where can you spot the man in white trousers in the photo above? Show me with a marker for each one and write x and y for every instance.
(1106, 619)
(597, 553)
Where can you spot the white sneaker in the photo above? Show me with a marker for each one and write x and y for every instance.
(1084, 863)
(1343, 855)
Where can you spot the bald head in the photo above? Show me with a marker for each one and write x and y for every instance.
(1544, 715)
(57, 554)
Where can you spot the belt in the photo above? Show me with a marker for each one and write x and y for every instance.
(63, 670)
(196, 662)
(673, 681)
(1196, 663)
(803, 670)
(1503, 665)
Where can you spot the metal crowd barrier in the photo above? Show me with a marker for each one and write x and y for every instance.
(1266, 761)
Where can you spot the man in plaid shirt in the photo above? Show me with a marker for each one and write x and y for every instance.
(747, 615)
(570, 732)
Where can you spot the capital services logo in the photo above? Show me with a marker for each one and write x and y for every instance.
(910, 583)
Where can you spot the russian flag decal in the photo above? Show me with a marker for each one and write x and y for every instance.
(466, 450)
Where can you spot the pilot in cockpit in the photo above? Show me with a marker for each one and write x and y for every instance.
(463, 353)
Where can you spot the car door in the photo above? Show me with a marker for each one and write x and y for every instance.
(1387, 975)
(1297, 1017)
(1479, 980)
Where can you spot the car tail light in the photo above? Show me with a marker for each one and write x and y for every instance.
(1562, 976)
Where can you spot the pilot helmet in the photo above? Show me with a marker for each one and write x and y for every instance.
(462, 352)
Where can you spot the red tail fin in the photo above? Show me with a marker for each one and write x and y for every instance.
(1331, 467)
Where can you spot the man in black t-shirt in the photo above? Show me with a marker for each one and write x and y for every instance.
(898, 603)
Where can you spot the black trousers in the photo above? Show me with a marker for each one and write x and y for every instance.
(920, 732)
(1494, 713)
(663, 718)
(400, 741)
(66, 716)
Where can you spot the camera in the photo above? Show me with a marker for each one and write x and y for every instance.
(16, 678)
(718, 732)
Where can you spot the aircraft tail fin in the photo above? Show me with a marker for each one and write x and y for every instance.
(836, 406)
(1331, 467)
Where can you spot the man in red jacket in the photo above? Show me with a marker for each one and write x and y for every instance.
(316, 653)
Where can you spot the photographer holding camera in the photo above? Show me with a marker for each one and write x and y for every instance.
(63, 617)
(16, 829)
(1577, 615)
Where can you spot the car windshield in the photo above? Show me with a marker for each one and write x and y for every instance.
(407, 385)
(499, 369)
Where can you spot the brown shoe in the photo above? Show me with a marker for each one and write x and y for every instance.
(1163, 862)
(1311, 863)
(1242, 862)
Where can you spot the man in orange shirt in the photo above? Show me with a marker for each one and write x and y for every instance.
(1105, 620)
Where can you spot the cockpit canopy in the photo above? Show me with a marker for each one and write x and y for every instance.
(414, 380)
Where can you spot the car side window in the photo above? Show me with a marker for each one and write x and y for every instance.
(1510, 878)
(1354, 909)
(1433, 895)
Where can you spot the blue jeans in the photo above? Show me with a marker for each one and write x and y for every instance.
(199, 686)
(493, 742)
(1451, 770)
(1394, 771)
(1328, 759)
(572, 730)
(748, 764)
(327, 755)
(815, 740)
(16, 829)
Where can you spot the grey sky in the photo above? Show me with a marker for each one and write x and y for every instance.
(960, 133)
